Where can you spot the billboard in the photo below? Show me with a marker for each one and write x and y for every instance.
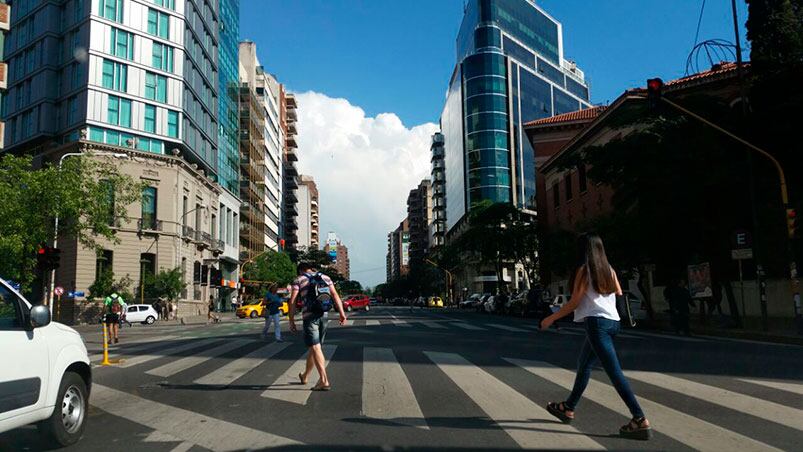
(700, 280)
(405, 251)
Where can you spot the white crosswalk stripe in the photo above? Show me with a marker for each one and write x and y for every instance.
(372, 323)
(787, 386)
(770, 411)
(386, 391)
(689, 430)
(510, 410)
(183, 364)
(288, 388)
(507, 328)
(139, 346)
(398, 322)
(141, 359)
(237, 368)
(468, 326)
(194, 428)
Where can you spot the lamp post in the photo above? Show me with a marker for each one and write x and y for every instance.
(181, 232)
(56, 225)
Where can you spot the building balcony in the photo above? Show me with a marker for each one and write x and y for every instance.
(149, 226)
(291, 140)
(291, 128)
(291, 154)
(188, 233)
(438, 139)
(290, 99)
(291, 114)
(5, 16)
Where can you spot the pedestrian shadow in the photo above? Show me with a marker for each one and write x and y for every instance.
(476, 423)
(223, 387)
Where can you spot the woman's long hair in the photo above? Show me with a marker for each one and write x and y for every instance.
(592, 260)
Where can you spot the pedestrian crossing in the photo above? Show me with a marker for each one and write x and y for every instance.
(391, 389)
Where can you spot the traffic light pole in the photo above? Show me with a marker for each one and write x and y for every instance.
(784, 199)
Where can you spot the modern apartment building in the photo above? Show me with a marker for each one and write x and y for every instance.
(138, 80)
(339, 254)
(510, 70)
(289, 117)
(419, 215)
(5, 22)
(308, 228)
(437, 226)
(271, 89)
(399, 251)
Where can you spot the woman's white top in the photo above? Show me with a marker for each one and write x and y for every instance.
(594, 304)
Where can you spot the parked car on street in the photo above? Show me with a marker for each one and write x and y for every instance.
(470, 302)
(353, 302)
(141, 313)
(435, 302)
(46, 377)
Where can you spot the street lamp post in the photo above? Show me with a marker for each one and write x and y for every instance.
(56, 223)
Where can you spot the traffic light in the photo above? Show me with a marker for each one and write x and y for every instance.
(792, 223)
(216, 278)
(654, 88)
(48, 258)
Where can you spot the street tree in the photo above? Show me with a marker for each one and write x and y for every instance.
(349, 287)
(271, 267)
(89, 196)
(165, 284)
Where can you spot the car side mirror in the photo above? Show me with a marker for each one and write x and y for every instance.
(40, 316)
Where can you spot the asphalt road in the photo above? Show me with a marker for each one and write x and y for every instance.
(429, 380)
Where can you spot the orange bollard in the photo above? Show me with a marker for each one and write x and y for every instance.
(105, 361)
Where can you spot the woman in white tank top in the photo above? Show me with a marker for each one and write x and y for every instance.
(594, 290)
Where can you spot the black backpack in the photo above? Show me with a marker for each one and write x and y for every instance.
(317, 300)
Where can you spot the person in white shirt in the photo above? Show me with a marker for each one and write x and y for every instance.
(594, 290)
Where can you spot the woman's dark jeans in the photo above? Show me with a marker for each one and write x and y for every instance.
(599, 345)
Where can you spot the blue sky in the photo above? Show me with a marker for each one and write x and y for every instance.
(370, 76)
(396, 56)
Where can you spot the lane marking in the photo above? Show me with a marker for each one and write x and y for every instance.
(191, 427)
(468, 326)
(236, 369)
(507, 328)
(530, 425)
(386, 390)
(288, 388)
(372, 323)
(432, 324)
(689, 430)
(753, 406)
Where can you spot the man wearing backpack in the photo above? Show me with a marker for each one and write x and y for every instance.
(317, 293)
(114, 309)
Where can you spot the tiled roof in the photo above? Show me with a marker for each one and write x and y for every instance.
(579, 115)
(722, 68)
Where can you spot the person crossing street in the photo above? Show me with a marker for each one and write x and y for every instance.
(272, 304)
(317, 291)
(115, 307)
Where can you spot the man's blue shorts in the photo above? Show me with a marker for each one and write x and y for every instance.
(315, 329)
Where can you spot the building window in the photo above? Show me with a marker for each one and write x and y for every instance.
(213, 227)
(119, 112)
(166, 4)
(150, 118)
(197, 217)
(556, 195)
(112, 10)
(581, 174)
(72, 115)
(568, 182)
(104, 262)
(149, 208)
(122, 44)
(184, 278)
(155, 87)
(172, 124)
(108, 188)
(184, 211)
(158, 24)
(162, 57)
(115, 75)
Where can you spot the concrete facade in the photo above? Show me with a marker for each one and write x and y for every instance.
(308, 227)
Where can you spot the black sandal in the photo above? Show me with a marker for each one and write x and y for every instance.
(559, 411)
(637, 428)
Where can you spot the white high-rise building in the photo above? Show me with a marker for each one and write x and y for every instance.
(308, 232)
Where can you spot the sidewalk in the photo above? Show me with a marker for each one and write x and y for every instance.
(781, 331)
(225, 317)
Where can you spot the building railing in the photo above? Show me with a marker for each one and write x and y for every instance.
(150, 225)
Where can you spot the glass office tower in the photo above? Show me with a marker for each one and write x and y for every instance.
(510, 70)
(228, 85)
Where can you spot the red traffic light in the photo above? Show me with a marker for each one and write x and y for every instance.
(791, 213)
(655, 84)
(42, 251)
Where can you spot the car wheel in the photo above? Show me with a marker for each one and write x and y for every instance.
(66, 425)
(367, 308)
(254, 314)
(150, 320)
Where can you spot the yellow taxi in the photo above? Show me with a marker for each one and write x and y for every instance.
(252, 308)
(435, 302)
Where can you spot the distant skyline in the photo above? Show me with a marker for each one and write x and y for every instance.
(371, 76)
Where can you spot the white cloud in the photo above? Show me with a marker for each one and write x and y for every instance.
(364, 168)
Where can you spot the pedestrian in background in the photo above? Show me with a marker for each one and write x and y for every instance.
(594, 290)
(272, 304)
(680, 301)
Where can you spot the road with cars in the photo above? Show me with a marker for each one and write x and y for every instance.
(427, 379)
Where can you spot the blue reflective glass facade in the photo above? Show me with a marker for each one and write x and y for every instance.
(510, 71)
(228, 153)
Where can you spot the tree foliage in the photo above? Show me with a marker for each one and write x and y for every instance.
(165, 284)
(86, 194)
(272, 267)
(349, 287)
(105, 285)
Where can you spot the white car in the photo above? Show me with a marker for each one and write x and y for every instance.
(46, 375)
(141, 313)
